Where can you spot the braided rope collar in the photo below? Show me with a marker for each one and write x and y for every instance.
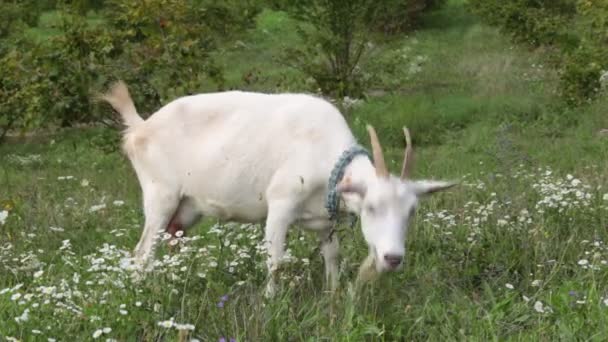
(332, 201)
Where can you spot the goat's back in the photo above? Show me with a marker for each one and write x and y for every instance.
(227, 148)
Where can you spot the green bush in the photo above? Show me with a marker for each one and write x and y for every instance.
(575, 31)
(22, 82)
(15, 14)
(161, 48)
(333, 41)
(394, 16)
(535, 22)
(335, 36)
(584, 66)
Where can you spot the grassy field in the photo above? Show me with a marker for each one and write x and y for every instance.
(517, 252)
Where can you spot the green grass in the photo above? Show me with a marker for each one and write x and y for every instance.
(480, 110)
(49, 25)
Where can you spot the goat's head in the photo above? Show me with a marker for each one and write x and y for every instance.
(386, 204)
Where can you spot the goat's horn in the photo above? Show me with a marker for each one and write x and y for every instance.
(379, 164)
(408, 158)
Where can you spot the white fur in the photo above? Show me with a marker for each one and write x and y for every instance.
(251, 157)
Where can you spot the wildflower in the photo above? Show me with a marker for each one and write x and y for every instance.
(223, 299)
(38, 274)
(502, 222)
(605, 197)
(538, 306)
(118, 203)
(509, 286)
(24, 316)
(3, 216)
(138, 304)
(526, 298)
(604, 78)
(107, 330)
(184, 327)
(166, 324)
(84, 183)
(97, 208)
(583, 262)
(606, 301)
(97, 333)
(536, 283)
(15, 296)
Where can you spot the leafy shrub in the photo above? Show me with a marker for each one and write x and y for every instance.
(334, 36)
(26, 93)
(393, 16)
(17, 13)
(584, 66)
(333, 40)
(394, 68)
(535, 22)
(160, 47)
(575, 29)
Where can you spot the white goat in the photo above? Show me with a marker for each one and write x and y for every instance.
(248, 157)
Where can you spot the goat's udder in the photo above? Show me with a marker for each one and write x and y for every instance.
(174, 227)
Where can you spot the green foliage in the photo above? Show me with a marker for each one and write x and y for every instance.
(335, 38)
(584, 66)
(575, 31)
(22, 84)
(534, 22)
(333, 42)
(162, 49)
(394, 16)
(15, 14)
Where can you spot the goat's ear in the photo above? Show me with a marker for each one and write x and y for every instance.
(427, 187)
(346, 186)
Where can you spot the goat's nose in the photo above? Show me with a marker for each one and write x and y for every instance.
(393, 260)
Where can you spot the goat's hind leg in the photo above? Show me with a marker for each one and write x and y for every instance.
(160, 205)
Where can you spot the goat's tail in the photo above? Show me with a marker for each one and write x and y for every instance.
(119, 98)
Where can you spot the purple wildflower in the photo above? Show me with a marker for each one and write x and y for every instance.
(223, 299)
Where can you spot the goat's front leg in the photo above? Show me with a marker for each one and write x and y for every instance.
(330, 249)
(280, 216)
